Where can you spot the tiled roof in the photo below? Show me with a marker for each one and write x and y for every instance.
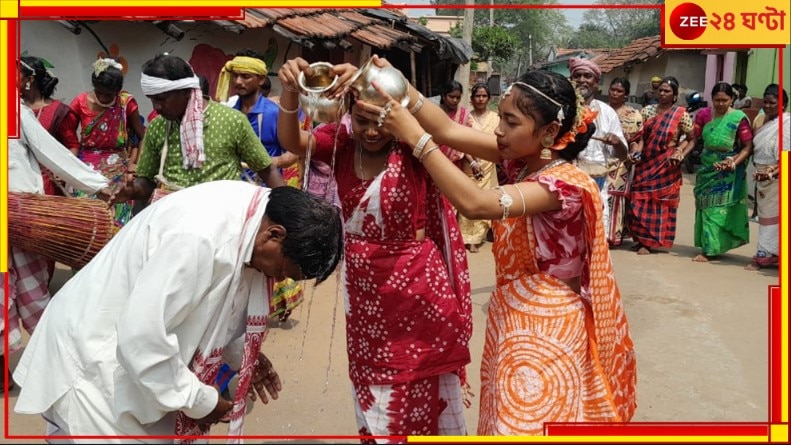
(638, 51)
(566, 51)
(328, 24)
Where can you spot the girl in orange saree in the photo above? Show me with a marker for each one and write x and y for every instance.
(557, 347)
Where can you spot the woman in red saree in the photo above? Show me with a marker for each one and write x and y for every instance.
(107, 115)
(406, 282)
(557, 345)
(653, 200)
(449, 101)
(54, 115)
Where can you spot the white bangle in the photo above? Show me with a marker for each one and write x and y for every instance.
(522, 195)
(427, 151)
(421, 144)
(506, 201)
(279, 105)
(418, 104)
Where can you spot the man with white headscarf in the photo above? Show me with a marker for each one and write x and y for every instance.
(193, 140)
(608, 144)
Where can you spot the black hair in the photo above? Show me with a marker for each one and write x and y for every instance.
(44, 80)
(168, 67)
(111, 79)
(773, 89)
(478, 86)
(542, 111)
(267, 85)
(627, 87)
(314, 233)
(247, 52)
(740, 87)
(448, 88)
(204, 84)
(723, 87)
(673, 83)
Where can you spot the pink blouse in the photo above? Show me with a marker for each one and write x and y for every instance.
(559, 234)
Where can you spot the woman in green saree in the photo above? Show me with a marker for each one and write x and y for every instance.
(721, 219)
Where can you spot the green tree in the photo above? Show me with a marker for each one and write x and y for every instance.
(591, 36)
(619, 25)
(536, 28)
(490, 42)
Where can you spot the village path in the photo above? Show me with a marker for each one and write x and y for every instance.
(700, 333)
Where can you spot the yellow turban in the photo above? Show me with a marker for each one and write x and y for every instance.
(239, 64)
(656, 79)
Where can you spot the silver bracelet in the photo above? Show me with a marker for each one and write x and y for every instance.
(421, 144)
(506, 201)
(279, 105)
(427, 151)
(418, 104)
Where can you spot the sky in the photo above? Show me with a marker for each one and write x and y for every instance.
(573, 16)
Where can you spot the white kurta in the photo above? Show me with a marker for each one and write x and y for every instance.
(112, 350)
(35, 146)
(600, 153)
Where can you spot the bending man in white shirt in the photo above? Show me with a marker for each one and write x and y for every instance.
(137, 337)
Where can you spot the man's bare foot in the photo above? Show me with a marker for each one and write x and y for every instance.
(643, 251)
(752, 266)
(700, 259)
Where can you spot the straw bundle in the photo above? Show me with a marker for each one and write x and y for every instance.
(68, 230)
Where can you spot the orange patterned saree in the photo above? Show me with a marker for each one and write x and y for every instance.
(551, 354)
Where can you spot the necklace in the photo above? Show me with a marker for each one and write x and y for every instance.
(361, 167)
(524, 175)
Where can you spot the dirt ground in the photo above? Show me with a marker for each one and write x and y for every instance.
(700, 333)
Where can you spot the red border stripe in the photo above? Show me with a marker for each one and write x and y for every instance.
(12, 44)
(775, 354)
(657, 429)
(138, 12)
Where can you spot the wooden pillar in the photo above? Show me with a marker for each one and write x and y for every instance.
(412, 67)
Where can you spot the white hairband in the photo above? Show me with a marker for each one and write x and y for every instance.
(560, 116)
(152, 86)
(22, 62)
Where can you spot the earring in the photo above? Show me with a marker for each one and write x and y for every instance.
(27, 86)
(546, 142)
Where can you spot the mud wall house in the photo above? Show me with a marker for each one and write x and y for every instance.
(332, 35)
(644, 58)
(754, 67)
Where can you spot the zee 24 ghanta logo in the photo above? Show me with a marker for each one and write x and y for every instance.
(688, 21)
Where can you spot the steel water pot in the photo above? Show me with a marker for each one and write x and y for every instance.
(313, 99)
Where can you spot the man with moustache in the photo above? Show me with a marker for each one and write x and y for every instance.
(608, 144)
(193, 140)
(246, 75)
